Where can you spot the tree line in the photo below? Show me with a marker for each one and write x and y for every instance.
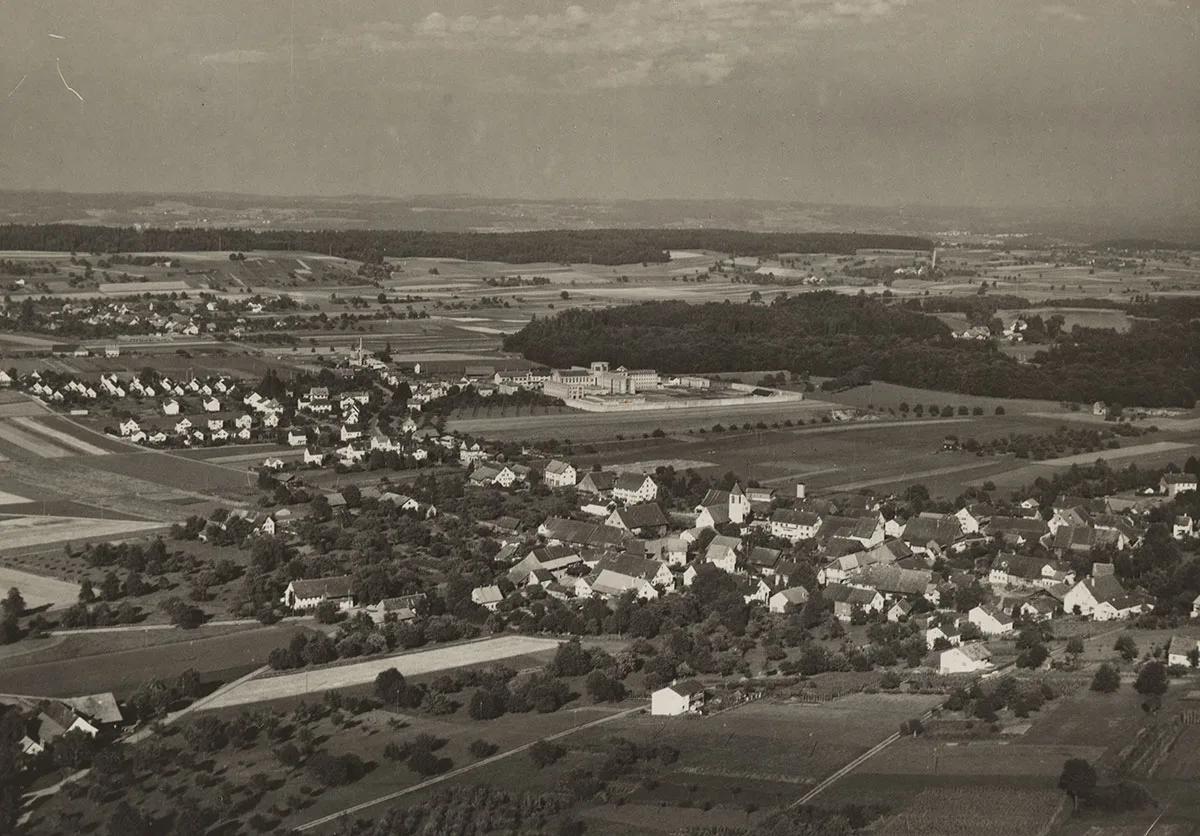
(829, 334)
(601, 246)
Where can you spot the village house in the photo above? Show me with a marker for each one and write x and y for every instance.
(990, 621)
(1182, 650)
(671, 550)
(1104, 599)
(794, 525)
(297, 438)
(722, 552)
(794, 597)
(559, 474)
(597, 483)
(686, 697)
(1173, 484)
(966, 658)
(170, 407)
(847, 598)
(719, 507)
(949, 633)
(1022, 571)
(488, 597)
(646, 519)
(633, 488)
(307, 594)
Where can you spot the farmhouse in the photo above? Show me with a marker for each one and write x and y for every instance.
(794, 525)
(307, 594)
(1173, 484)
(722, 552)
(597, 483)
(990, 621)
(1022, 571)
(846, 598)
(967, 658)
(795, 597)
(646, 519)
(1104, 599)
(632, 488)
(560, 474)
(488, 597)
(1182, 650)
(685, 697)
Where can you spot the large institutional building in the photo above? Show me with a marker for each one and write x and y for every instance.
(599, 380)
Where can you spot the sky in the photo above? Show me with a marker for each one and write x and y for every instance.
(1006, 103)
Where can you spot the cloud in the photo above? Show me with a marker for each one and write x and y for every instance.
(237, 56)
(634, 42)
(1064, 12)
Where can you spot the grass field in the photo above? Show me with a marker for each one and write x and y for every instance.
(361, 673)
(20, 533)
(38, 590)
(221, 657)
(982, 810)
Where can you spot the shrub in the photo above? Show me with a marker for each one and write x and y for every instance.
(1106, 679)
(481, 748)
(544, 753)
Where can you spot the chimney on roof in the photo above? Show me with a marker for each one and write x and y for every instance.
(800, 490)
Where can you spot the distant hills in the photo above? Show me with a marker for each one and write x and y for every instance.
(465, 213)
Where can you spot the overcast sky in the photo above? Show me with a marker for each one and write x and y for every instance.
(973, 102)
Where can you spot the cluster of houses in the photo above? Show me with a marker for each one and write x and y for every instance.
(622, 541)
(92, 715)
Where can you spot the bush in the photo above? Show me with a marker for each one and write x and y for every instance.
(481, 748)
(544, 753)
(1106, 679)
(334, 771)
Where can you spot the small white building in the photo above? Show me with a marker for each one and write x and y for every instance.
(307, 594)
(990, 621)
(488, 597)
(685, 697)
(560, 474)
(170, 407)
(966, 658)
(780, 601)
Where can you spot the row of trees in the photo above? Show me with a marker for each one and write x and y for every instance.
(601, 246)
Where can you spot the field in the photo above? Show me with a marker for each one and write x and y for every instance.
(20, 533)
(361, 673)
(986, 811)
(37, 590)
(220, 657)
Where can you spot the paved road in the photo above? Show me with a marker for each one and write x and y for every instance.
(383, 799)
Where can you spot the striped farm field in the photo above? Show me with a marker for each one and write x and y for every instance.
(60, 437)
(31, 443)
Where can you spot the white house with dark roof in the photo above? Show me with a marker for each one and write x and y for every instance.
(560, 474)
(633, 488)
(1173, 484)
(794, 525)
(1104, 599)
(966, 658)
(307, 594)
(794, 597)
(686, 697)
(990, 621)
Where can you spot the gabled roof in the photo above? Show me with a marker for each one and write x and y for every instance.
(763, 557)
(1021, 566)
(645, 515)
(687, 687)
(788, 516)
(1179, 479)
(840, 593)
(1030, 527)
(582, 533)
(1181, 646)
(715, 497)
(630, 481)
(338, 586)
(625, 564)
(718, 512)
(795, 595)
(922, 530)
(996, 614)
(975, 651)
(1084, 537)
(601, 480)
(557, 467)
(894, 580)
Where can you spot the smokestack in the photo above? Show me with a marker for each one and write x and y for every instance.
(800, 490)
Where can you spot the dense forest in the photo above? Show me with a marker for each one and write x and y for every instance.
(1155, 364)
(600, 246)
